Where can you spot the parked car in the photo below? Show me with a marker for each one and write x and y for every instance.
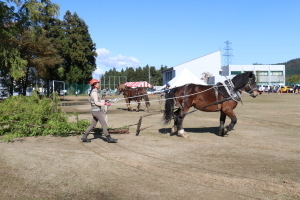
(159, 91)
(150, 91)
(63, 92)
(287, 89)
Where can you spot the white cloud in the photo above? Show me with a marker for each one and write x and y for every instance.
(102, 53)
(105, 62)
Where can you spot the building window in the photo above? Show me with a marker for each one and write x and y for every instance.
(235, 72)
(276, 73)
(262, 73)
(168, 76)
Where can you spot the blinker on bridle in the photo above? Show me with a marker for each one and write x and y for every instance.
(251, 88)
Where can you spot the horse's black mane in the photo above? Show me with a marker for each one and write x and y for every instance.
(242, 79)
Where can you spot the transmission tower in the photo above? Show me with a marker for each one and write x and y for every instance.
(227, 55)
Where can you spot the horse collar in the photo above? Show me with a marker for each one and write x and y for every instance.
(229, 86)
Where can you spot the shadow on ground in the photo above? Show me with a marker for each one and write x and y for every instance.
(212, 130)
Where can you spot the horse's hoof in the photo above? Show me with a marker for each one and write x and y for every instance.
(183, 134)
(224, 132)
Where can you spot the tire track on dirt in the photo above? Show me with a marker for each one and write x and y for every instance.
(207, 181)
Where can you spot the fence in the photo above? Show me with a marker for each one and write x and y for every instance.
(61, 88)
(82, 89)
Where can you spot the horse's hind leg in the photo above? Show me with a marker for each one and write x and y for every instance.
(178, 124)
(222, 129)
(174, 128)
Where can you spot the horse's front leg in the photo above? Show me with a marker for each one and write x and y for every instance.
(128, 105)
(233, 120)
(222, 129)
(138, 105)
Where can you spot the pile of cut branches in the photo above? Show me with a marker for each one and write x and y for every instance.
(23, 116)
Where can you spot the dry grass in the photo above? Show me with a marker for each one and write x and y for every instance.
(260, 159)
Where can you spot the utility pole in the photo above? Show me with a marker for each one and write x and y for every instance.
(104, 81)
(149, 75)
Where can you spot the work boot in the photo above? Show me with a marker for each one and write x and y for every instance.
(111, 140)
(84, 138)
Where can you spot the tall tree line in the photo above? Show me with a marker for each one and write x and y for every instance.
(292, 71)
(134, 75)
(35, 46)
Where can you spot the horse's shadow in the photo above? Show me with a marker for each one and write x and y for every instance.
(212, 130)
(125, 109)
(133, 110)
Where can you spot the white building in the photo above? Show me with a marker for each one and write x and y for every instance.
(265, 74)
(211, 63)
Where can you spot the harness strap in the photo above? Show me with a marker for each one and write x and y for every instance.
(218, 102)
(217, 97)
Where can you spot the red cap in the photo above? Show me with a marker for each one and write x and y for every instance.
(93, 81)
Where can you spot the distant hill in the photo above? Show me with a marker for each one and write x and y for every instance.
(292, 67)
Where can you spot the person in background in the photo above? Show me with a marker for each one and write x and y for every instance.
(103, 93)
(96, 104)
(166, 91)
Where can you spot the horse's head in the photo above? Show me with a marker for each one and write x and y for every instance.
(120, 88)
(246, 81)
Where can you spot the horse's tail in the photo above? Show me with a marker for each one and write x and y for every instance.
(169, 106)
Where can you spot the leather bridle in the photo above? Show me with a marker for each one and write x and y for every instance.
(250, 92)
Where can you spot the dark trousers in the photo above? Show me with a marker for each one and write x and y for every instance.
(97, 116)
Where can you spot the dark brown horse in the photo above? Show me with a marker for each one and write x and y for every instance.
(222, 97)
(135, 94)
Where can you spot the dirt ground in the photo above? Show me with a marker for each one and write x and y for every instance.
(259, 159)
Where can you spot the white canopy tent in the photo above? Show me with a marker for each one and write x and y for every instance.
(185, 77)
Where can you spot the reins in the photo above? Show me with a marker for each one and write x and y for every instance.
(118, 99)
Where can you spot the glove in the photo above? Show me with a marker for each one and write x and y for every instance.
(107, 100)
(107, 104)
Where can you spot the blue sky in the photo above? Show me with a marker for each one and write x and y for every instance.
(132, 33)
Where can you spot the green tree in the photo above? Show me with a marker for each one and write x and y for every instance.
(78, 50)
(130, 73)
(11, 63)
(28, 52)
(40, 54)
(294, 79)
(54, 29)
(292, 67)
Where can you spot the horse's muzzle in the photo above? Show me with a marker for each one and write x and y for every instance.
(254, 93)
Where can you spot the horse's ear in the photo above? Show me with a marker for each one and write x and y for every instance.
(251, 75)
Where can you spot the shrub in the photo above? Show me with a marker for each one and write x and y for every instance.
(22, 116)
